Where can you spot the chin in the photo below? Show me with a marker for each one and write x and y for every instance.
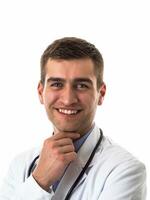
(66, 129)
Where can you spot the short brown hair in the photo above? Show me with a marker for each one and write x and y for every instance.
(69, 48)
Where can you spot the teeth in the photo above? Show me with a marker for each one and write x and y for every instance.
(67, 112)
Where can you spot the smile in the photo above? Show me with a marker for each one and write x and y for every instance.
(68, 111)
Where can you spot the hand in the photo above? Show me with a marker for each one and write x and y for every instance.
(57, 152)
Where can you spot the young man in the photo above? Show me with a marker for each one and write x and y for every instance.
(77, 162)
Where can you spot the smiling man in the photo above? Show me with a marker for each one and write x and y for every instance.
(78, 162)
(69, 88)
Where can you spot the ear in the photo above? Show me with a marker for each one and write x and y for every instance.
(102, 92)
(40, 89)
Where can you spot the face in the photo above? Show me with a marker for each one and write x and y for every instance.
(70, 94)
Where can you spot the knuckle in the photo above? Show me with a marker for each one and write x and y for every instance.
(72, 148)
(69, 140)
(49, 144)
(56, 151)
(73, 156)
(46, 143)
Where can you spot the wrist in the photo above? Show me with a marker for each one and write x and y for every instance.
(44, 184)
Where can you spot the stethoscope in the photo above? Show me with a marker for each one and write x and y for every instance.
(33, 164)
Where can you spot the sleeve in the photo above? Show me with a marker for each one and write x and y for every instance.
(127, 181)
(16, 187)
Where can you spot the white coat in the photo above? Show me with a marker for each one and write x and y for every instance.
(113, 174)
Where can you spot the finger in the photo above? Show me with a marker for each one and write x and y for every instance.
(63, 142)
(66, 149)
(72, 136)
(70, 156)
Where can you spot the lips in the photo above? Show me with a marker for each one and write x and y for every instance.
(68, 111)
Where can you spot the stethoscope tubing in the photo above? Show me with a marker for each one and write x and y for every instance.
(32, 166)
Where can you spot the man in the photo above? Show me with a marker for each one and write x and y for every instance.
(77, 162)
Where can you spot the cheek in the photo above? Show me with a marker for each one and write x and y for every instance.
(49, 98)
(89, 101)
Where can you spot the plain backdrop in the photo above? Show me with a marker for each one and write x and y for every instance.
(121, 31)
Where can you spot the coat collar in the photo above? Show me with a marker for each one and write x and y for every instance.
(76, 166)
(88, 146)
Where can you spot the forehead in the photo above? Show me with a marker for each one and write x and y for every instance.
(70, 68)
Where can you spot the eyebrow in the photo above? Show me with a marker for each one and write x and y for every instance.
(50, 79)
(83, 80)
(76, 80)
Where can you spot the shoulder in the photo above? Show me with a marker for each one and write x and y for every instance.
(118, 171)
(117, 154)
(116, 164)
(110, 155)
(113, 155)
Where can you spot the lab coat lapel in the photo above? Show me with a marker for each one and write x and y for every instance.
(68, 179)
(88, 147)
(75, 167)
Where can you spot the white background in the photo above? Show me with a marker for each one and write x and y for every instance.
(121, 31)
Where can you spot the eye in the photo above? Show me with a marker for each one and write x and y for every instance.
(56, 85)
(81, 86)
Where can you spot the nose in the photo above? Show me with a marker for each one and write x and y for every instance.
(68, 96)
